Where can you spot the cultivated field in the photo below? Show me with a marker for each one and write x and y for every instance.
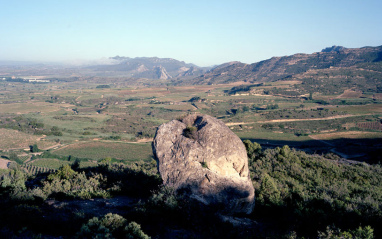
(79, 120)
(101, 150)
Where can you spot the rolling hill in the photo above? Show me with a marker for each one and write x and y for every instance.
(358, 67)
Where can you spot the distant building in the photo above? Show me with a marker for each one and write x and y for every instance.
(38, 80)
(35, 80)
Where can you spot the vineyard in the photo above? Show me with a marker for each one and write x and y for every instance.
(48, 163)
(35, 169)
(376, 125)
(23, 158)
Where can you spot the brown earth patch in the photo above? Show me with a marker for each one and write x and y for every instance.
(350, 94)
(377, 96)
(13, 139)
(4, 163)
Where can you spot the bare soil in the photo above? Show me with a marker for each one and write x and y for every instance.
(4, 163)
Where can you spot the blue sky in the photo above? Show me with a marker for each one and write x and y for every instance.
(200, 32)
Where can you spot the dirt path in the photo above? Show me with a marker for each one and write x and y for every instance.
(53, 146)
(62, 147)
(292, 120)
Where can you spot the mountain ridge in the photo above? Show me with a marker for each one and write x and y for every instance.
(277, 68)
(151, 67)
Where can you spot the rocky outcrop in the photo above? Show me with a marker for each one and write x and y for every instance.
(148, 67)
(203, 158)
(162, 73)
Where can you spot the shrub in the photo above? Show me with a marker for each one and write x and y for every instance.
(253, 149)
(111, 226)
(335, 233)
(102, 86)
(191, 132)
(268, 193)
(74, 184)
(309, 192)
(34, 148)
(13, 179)
(133, 231)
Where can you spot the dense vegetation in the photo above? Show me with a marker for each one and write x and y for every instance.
(306, 193)
(297, 195)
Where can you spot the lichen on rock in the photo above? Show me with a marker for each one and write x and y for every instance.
(203, 157)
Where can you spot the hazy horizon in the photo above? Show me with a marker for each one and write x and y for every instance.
(203, 33)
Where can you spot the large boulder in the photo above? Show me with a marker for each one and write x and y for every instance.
(201, 157)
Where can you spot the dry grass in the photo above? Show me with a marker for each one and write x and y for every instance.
(13, 139)
(378, 96)
(289, 82)
(24, 108)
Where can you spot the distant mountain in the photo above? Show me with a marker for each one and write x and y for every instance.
(334, 48)
(150, 67)
(278, 68)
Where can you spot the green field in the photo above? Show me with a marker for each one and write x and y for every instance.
(49, 163)
(101, 150)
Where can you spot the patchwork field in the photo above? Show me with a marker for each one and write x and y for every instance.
(83, 121)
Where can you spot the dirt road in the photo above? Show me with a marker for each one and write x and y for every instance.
(291, 120)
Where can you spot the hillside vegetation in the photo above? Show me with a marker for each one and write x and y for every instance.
(297, 195)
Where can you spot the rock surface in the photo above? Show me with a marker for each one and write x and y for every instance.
(202, 157)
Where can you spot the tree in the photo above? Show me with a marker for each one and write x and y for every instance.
(64, 172)
(253, 149)
(269, 194)
(310, 96)
(34, 148)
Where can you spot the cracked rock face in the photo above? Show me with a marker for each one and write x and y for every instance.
(204, 158)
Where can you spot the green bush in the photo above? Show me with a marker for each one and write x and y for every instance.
(336, 233)
(191, 132)
(74, 184)
(111, 226)
(13, 179)
(134, 231)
